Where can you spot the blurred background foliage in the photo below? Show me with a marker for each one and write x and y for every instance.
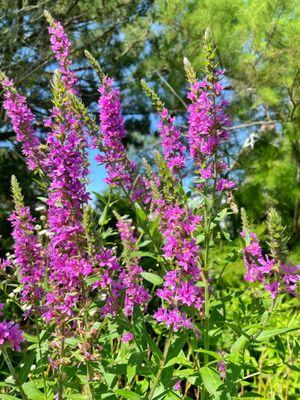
(258, 46)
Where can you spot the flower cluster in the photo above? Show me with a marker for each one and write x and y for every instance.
(61, 45)
(274, 276)
(28, 253)
(180, 284)
(108, 281)
(120, 170)
(11, 335)
(22, 121)
(67, 170)
(135, 293)
(172, 147)
(207, 128)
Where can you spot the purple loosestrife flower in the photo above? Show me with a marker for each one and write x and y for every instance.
(275, 276)
(172, 146)
(112, 126)
(180, 284)
(61, 45)
(207, 128)
(135, 293)
(67, 170)
(177, 385)
(291, 277)
(120, 170)
(22, 122)
(11, 335)
(109, 282)
(29, 256)
(127, 337)
(222, 367)
(257, 266)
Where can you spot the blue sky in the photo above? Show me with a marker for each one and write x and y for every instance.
(97, 174)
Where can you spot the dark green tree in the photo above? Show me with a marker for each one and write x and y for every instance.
(258, 45)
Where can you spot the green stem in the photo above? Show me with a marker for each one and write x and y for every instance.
(147, 227)
(161, 366)
(41, 357)
(60, 376)
(266, 321)
(208, 220)
(89, 371)
(13, 373)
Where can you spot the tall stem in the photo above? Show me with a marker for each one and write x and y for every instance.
(89, 371)
(161, 367)
(13, 373)
(60, 376)
(41, 357)
(208, 220)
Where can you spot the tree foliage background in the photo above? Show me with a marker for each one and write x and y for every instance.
(258, 45)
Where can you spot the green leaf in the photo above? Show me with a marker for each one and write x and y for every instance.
(23, 374)
(32, 392)
(211, 379)
(176, 347)
(211, 353)
(134, 362)
(8, 397)
(249, 395)
(153, 278)
(43, 200)
(242, 341)
(139, 253)
(127, 394)
(157, 353)
(141, 215)
(266, 334)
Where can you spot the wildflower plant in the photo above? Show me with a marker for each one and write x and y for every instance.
(132, 309)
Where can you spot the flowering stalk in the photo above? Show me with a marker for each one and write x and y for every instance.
(207, 130)
(28, 251)
(161, 366)
(67, 168)
(13, 372)
(61, 46)
(173, 148)
(22, 121)
(275, 274)
(135, 293)
(121, 171)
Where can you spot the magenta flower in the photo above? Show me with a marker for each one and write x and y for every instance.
(67, 172)
(109, 283)
(180, 284)
(172, 147)
(177, 385)
(120, 170)
(135, 293)
(257, 266)
(275, 276)
(173, 318)
(29, 256)
(11, 335)
(61, 45)
(22, 121)
(127, 337)
(207, 128)
(222, 367)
